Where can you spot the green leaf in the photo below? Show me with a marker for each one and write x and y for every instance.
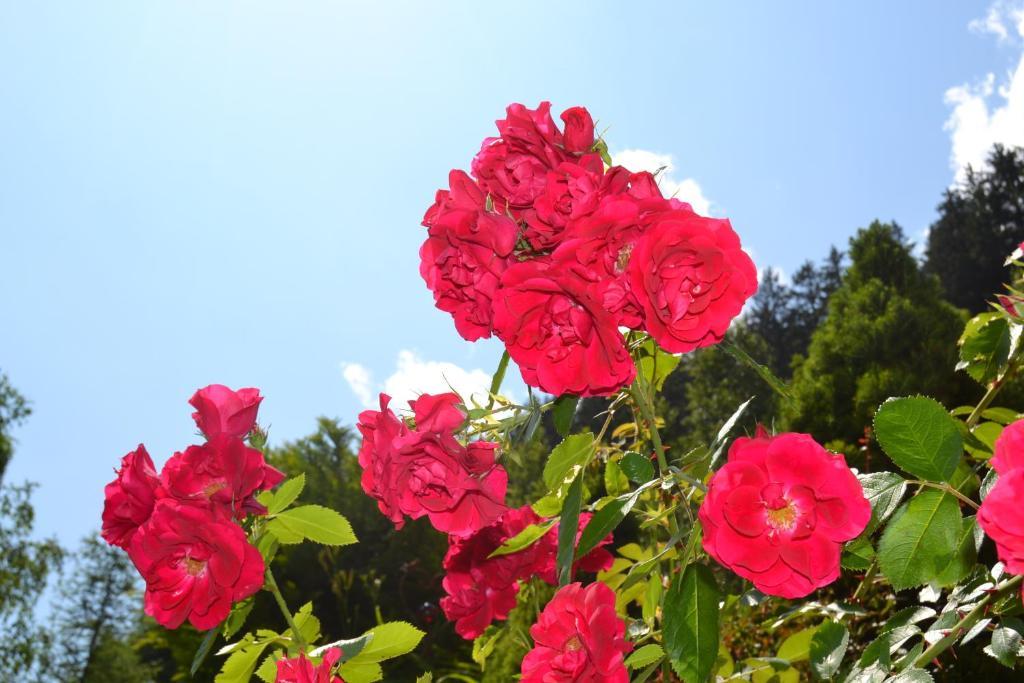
(567, 458)
(691, 623)
(796, 647)
(921, 539)
(356, 671)
(236, 619)
(1006, 644)
(655, 364)
(563, 413)
(425, 678)
(349, 648)
(239, 667)
(920, 436)
(313, 522)
(1003, 416)
(389, 640)
(286, 494)
(568, 526)
(884, 491)
(638, 468)
(827, 649)
(985, 347)
(722, 438)
(605, 520)
(499, 374)
(645, 656)
(964, 557)
(858, 553)
(267, 670)
(524, 539)
(615, 481)
(988, 483)
(203, 650)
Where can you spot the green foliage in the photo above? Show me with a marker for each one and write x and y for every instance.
(984, 347)
(920, 541)
(691, 623)
(888, 333)
(919, 436)
(311, 523)
(979, 224)
(13, 410)
(827, 649)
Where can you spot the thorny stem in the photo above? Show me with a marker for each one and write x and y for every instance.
(271, 586)
(967, 621)
(869, 576)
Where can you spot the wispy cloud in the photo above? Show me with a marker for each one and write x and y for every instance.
(687, 189)
(990, 110)
(413, 376)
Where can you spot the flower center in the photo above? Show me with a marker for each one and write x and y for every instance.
(213, 487)
(573, 644)
(781, 514)
(194, 567)
(623, 260)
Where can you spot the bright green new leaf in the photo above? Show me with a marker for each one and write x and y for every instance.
(691, 623)
(796, 648)
(655, 364)
(286, 494)
(645, 656)
(827, 649)
(389, 640)
(572, 453)
(359, 671)
(920, 541)
(524, 539)
(313, 522)
(920, 436)
(239, 667)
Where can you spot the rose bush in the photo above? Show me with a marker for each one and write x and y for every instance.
(632, 555)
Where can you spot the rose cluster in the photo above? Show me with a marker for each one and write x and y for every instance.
(481, 589)
(1000, 514)
(423, 470)
(778, 512)
(181, 527)
(553, 252)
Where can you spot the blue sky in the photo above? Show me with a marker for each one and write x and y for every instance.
(197, 192)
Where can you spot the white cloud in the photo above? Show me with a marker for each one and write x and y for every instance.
(414, 376)
(985, 113)
(687, 189)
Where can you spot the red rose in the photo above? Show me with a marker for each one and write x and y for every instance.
(426, 471)
(578, 637)
(466, 251)
(223, 473)
(480, 589)
(1009, 450)
(220, 410)
(1001, 520)
(579, 130)
(513, 168)
(691, 277)
(557, 331)
(571, 191)
(129, 498)
(302, 670)
(778, 512)
(195, 565)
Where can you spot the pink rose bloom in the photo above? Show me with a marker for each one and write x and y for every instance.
(425, 471)
(129, 498)
(479, 589)
(465, 254)
(778, 512)
(579, 130)
(220, 410)
(1009, 450)
(578, 638)
(1001, 519)
(571, 192)
(301, 670)
(691, 279)
(195, 565)
(223, 473)
(557, 331)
